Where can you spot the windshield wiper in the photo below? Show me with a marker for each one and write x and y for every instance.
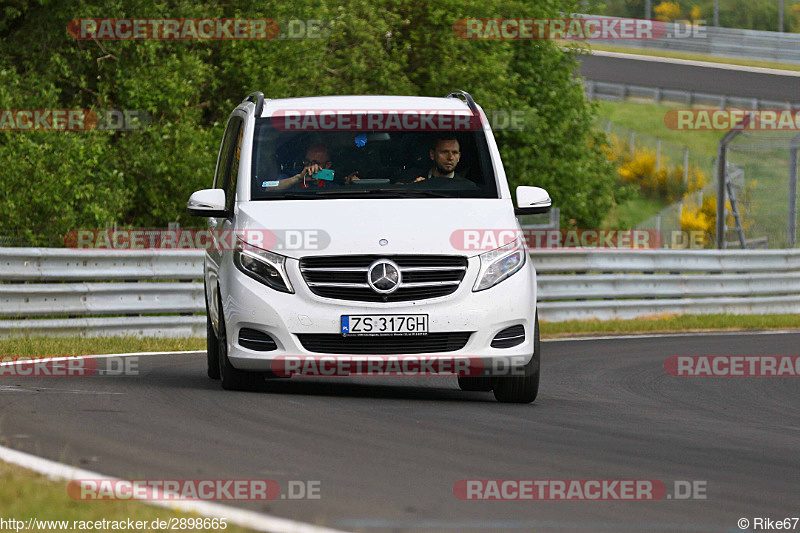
(410, 192)
(398, 193)
(291, 196)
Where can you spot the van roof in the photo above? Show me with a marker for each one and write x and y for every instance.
(363, 103)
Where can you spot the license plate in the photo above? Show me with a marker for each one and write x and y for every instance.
(378, 325)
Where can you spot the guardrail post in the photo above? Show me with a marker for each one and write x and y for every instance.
(686, 169)
(722, 158)
(633, 143)
(791, 222)
(658, 154)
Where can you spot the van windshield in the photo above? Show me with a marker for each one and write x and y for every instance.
(368, 159)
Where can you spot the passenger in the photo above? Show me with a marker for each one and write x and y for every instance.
(317, 158)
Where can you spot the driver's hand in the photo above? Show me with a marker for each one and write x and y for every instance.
(310, 170)
(419, 179)
(351, 177)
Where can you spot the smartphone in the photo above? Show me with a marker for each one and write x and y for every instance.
(324, 174)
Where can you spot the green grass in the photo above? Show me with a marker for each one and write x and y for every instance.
(60, 346)
(44, 347)
(26, 495)
(682, 323)
(649, 119)
(627, 215)
(696, 57)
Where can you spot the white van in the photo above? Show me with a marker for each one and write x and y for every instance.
(368, 228)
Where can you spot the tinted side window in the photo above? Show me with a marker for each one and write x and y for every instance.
(233, 172)
(226, 170)
(218, 172)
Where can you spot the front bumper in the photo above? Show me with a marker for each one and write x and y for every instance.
(249, 304)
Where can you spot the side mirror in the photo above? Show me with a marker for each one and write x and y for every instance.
(532, 201)
(207, 203)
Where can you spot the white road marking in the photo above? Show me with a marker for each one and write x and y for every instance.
(667, 335)
(14, 388)
(98, 356)
(240, 517)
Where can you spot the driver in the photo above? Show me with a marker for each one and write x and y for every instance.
(445, 153)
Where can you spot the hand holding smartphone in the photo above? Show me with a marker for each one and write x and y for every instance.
(324, 174)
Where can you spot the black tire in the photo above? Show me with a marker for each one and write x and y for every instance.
(212, 348)
(231, 378)
(479, 384)
(525, 388)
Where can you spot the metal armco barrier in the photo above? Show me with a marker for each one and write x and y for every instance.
(623, 284)
(621, 91)
(730, 42)
(160, 293)
(53, 291)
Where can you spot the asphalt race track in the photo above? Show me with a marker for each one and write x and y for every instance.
(648, 73)
(389, 450)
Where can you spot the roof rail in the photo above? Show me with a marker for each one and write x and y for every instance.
(466, 97)
(258, 98)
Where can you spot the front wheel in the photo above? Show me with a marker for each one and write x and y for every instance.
(524, 388)
(232, 378)
(212, 348)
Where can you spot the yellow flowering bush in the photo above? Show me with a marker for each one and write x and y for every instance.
(668, 11)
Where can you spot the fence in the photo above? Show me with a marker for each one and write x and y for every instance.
(668, 154)
(762, 168)
(157, 293)
(729, 42)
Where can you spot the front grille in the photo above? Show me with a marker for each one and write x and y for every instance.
(334, 343)
(252, 339)
(345, 277)
(509, 337)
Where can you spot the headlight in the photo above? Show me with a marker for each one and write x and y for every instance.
(263, 266)
(500, 263)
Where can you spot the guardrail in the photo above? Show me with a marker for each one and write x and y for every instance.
(158, 293)
(621, 92)
(624, 284)
(728, 42)
(50, 291)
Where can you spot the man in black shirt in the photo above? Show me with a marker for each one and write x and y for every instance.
(445, 153)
